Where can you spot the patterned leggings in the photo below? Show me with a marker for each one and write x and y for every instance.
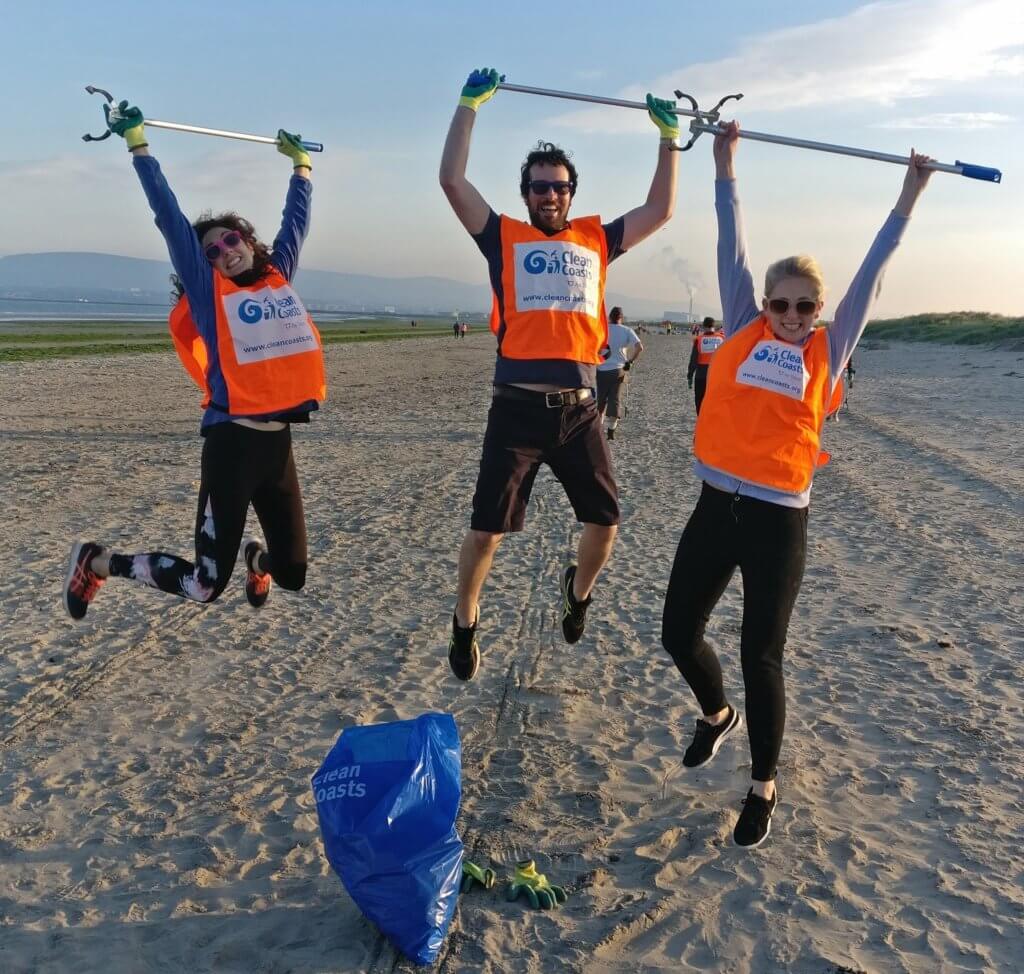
(240, 466)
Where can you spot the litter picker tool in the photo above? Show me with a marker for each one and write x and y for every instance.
(197, 129)
(709, 122)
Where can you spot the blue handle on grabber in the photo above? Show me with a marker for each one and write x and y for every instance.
(980, 172)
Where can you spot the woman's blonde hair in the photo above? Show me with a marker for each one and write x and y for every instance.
(800, 266)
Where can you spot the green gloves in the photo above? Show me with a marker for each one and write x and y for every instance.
(127, 123)
(291, 146)
(659, 110)
(473, 875)
(480, 86)
(541, 894)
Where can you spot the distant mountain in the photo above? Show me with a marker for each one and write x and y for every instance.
(110, 278)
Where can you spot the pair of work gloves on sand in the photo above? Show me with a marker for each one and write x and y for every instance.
(482, 84)
(526, 881)
(127, 121)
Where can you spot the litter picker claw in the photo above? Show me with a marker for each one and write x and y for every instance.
(710, 122)
(196, 129)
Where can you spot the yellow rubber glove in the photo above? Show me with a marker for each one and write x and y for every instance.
(480, 86)
(291, 146)
(473, 875)
(659, 110)
(541, 894)
(127, 122)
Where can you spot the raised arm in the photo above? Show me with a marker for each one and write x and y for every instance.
(295, 218)
(190, 264)
(852, 312)
(641, 222)
(735, 282)
(469, 206)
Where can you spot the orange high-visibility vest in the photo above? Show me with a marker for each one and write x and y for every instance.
(269, 355)
(552, 305)
(764, 409)
(707, 344)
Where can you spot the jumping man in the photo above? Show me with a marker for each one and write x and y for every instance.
(548, 279)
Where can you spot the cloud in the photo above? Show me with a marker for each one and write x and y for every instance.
(687, 275)
(880, 53)
(949, 120)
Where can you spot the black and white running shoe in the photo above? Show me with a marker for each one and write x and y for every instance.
(755, 822)
(574, 613)
(707, 739)
(464, 650)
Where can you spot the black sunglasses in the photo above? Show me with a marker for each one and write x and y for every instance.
(540, 187)
(780, 306)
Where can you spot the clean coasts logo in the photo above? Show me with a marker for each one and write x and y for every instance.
(558, 262)
(339, 783)
(557, 277)
(775, 367)
(253, 312)
(269, 323)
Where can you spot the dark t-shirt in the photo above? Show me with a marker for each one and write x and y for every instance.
(560, 372)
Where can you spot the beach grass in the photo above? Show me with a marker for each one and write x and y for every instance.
(950, 328)
(34, 341)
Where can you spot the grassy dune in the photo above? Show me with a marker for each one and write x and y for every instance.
(33, 341)
(951, 328)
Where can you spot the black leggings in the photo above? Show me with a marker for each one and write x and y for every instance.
(240, 466)
(768, 543)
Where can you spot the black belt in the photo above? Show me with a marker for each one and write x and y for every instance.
(552, 400)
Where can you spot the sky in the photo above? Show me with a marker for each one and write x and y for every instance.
(377, 83)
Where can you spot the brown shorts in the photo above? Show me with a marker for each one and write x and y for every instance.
(520, 437)
(611, 392)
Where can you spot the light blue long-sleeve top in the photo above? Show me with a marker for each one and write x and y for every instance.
(739, 309)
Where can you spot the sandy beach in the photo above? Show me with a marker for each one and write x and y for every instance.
(155, 809)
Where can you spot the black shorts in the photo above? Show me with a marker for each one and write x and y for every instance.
(520, 437)
(611, 392)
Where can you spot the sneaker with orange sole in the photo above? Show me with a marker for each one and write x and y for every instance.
(257, 584)
(81, 583)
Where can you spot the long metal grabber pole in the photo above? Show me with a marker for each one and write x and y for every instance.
(709, 122)
(196, 129)
(598, 100)
(957, 169)
(224, 134)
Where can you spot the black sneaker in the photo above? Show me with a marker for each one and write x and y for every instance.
(707, 739)
(611, 433)
(464, 650)
(755, 823)
(257, 583)
(574, 613)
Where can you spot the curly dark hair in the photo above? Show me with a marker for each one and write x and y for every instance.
(232, 221)
(615, 314)
(552, 155)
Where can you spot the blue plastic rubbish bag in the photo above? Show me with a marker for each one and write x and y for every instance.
(387, 796)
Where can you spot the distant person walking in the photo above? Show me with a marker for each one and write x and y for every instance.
(550, 330)
(705, 343)
(463, 328)
(456, 330)
(623, 349)
(247, 341)
(757, 444)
